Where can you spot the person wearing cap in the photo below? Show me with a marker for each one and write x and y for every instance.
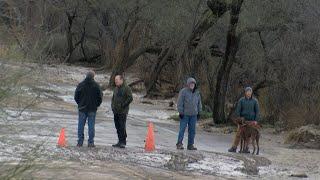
(247, 108)
(88, 96)
(189, 108)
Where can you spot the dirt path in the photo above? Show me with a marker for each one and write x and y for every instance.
(28, 143)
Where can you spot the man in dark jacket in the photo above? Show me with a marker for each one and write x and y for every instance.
(88, 96)
(247, 108)
(121, 99)
(189, 108)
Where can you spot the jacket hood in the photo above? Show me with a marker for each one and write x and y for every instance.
(191, 80)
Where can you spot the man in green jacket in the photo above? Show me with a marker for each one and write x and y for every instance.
(121, 99)
(247, 108)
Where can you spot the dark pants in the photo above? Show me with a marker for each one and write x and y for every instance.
(120, 124)
(83, 116)
(189, 121)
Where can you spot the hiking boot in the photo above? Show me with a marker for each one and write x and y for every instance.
(116, 145)
(79, 145)
(192, 148)
(122, 145)
(91, 145)
(119, 145)
(180, 146)
(232, 149)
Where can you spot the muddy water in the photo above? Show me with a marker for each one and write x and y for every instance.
(30, 141)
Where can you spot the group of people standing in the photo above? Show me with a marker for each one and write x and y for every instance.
(88, 96)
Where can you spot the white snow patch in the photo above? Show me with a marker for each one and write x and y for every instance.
(220, 165)
(67, 98)
(153, 159)
(272, 170)
(14, 114)
(65, 92)
(150, 115)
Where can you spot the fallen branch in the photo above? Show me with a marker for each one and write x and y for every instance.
(135, 82)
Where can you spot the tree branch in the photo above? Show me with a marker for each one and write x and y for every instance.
(209, 18)
(138, 52)
(215, 51)
(217, 7)
(262, 28)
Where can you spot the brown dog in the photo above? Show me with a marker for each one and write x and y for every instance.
(248, 133)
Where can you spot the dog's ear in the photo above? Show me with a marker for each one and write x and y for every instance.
(239, 121)
(235, 120)
(242, 120)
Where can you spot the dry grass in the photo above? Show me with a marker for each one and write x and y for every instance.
(305, 136)
(208, 126)
(297, 116)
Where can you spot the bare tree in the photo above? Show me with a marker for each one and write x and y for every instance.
(188, 60)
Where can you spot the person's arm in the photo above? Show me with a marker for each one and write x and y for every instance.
(77, 95)
(180, 104)
(199, 107)
(99, 95)
(238, 108)
(199, 104)
(129, 97)
(112, 101)
(257, 111)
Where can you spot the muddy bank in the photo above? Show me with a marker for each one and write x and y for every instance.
(187, 163)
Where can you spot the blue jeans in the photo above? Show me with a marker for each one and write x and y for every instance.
(189, 121)
(83, 116)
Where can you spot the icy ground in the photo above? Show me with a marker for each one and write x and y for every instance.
(28, 142)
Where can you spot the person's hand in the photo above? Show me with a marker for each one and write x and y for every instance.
(198, 116)
(181, 116)
(254, 123)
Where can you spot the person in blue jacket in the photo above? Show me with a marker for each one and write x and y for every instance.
(247, 108)
(189, 108)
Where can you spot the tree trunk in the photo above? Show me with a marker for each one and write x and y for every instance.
(124, 60)
(121, 54)
(69, 36)
(229, 58)
(122, 50)
(150, 82)
(188, 60)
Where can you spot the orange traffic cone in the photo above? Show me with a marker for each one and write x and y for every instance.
(150, 139)
(62, 139)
